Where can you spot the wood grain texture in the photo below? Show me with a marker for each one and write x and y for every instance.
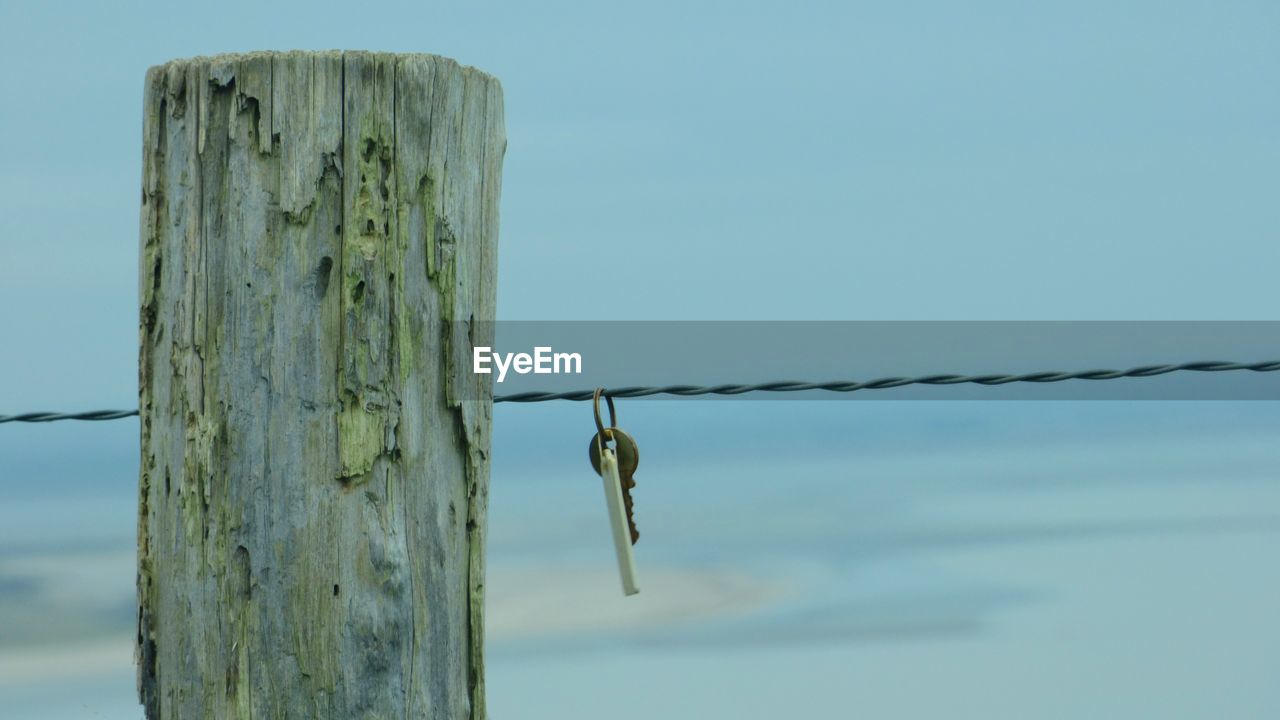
(318, 246)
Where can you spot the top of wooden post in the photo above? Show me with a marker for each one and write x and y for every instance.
(232, 58)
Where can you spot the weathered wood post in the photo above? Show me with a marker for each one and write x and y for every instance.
(319, 240)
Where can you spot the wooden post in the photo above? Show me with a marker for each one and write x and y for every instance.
(318, 242)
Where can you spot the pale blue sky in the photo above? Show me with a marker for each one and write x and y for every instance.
(730, 160)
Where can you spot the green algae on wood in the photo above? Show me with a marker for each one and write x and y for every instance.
(318, 235)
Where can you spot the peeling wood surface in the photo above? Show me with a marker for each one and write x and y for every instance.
(318, 242)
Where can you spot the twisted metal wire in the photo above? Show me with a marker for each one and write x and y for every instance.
(39, 417)
(846, 386)
(841, 386)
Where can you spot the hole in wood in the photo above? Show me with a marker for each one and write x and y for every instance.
(322, 277)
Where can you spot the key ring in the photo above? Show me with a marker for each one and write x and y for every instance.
(613, 416)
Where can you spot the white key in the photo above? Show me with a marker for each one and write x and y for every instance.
(618, 521)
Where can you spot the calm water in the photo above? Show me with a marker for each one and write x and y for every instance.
(993, 560)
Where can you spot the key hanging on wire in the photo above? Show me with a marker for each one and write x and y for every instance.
(616, 464)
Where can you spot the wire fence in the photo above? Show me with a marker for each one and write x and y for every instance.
(784, 386)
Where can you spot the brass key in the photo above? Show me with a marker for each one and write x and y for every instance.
(628, 460)
(616, 465)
